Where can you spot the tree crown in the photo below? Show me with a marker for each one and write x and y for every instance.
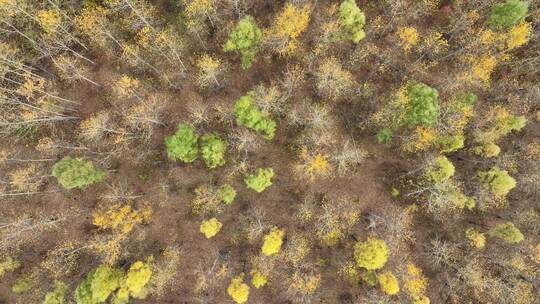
(261, 180)
(183, 144)
(371, 254)
(508, 13)
(245, 38)
(77, 173)
(213, 150)
(352, 20)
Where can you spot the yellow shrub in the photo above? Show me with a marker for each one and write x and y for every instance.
(518, 35)
(210, 227)
(483, 68)
(238, 290)
(305, 284)
(389, 283)
(258, 279)
(408, 36)
(272, 241)
(49, 20)
(416, 284)
(314, 165)
(120, 218)
(288, 25)
(137, 277)
(476, 238)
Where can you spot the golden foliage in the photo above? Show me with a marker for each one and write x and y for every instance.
(238, 290)
(210, 227)
(305, 284)
(313, 165)
(272, 241)
(416, 284)
(258, 279)
(49, 20)
(120, 218)
(408, 36)
(288, 25)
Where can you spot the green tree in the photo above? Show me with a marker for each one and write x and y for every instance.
(57, 295)
(261, 180)
(506, 14)
(422, 106)
(371, 254)
(497, 180)
(248, 115)
(507, 232)
(183, 144)
(245, 38)
(213, 150)
(451, 143)
(352, 20)
(441, 170)
(227, 193)
(76, 173)
(98, 285)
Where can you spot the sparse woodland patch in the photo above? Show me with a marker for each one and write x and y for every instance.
(243, 151)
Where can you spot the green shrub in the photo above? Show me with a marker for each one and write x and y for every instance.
(213, 150)
(497, 180)
(77, 173)
(352, 20)
(98, 285)
(261, 180)
(23, 284)
(384, 135)
(507, 232)
(422, 106)
(183, 144)
(57, 295)
(248, 115)
(227, 193)
(371, 254)
(506, 14)
(245, 38)
(441, 170)
(451, 143)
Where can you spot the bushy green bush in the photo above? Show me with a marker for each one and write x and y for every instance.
(227, 193)
(371, 254)
(183, 144)
(497, 180)
(77, 173)
(352, 20)
(506, 14)
(213, 150)
(23, 284)
(384, 135)
(422, 106)
(441, 170)
(507, 232)
(98, 285)
(261, 180)
(57, 295)
(248, 115)
(451, 143)
(245, 38)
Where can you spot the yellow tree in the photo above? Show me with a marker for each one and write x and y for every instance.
(283, 35)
